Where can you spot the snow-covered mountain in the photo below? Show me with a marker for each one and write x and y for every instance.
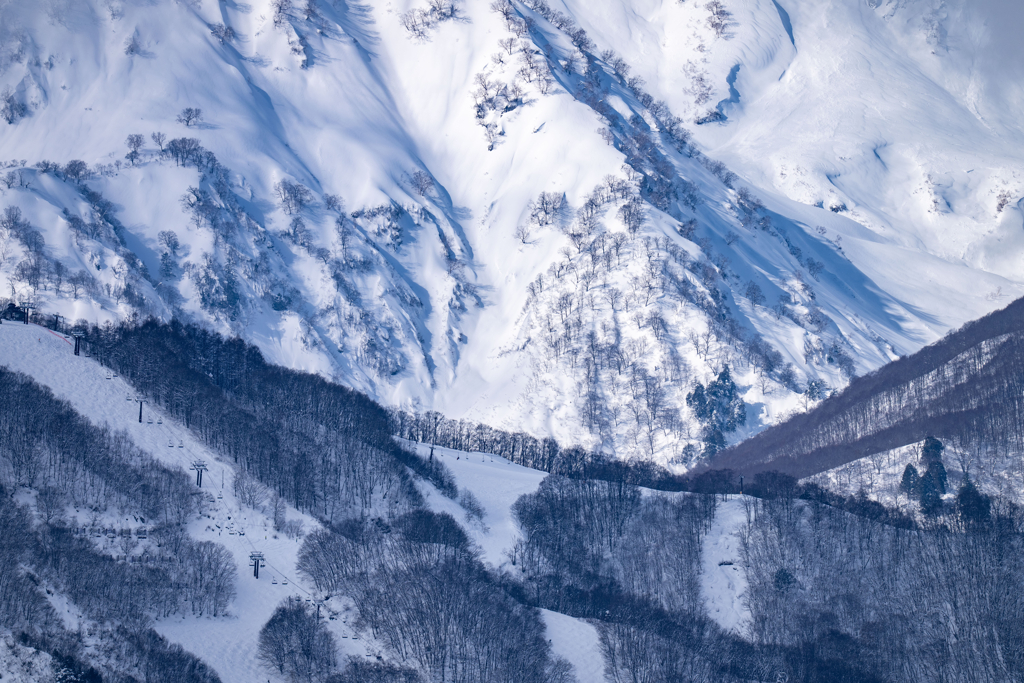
(553, 217)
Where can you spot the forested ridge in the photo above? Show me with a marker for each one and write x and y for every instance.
(323, 447)
(967, 388)
(330, 451)
(46, 447)
(838, 588)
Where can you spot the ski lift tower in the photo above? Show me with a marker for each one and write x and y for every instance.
(28, 307)
(199, 466)
(256, 561)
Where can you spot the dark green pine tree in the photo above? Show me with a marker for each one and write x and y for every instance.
(931, 500)
(933, 485)
(931, 450)
(973, 508)
(937, 471)
(719, 408)
(911, 482)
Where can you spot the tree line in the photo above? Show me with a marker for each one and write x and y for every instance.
(322, 447)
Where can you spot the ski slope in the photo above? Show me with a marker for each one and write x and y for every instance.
(228, 644)
(495, 484)
(723, 580)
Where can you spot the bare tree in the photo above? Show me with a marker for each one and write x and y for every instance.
(158, 140)
(169, 239)
(76, 170)
(10, 108)
(250, 491)
(719, 17)
(293, 196)
(508, 45)
(522, 232)
(297, 644)
(545, 209)
(333, 203)
(506, 10)
(190, 115)
(281, 8)
(79, 281)
(422, 182)
(632, 214)
(134, 142)
(225, 34)
(184, 150)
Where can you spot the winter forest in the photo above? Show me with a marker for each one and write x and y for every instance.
(611, 341)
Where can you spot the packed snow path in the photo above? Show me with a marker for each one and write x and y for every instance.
(723, 581)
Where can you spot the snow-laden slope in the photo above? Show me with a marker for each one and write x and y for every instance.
(228, 643)
(897, 110)
(418, 288)
(723, 580)
(494, 484)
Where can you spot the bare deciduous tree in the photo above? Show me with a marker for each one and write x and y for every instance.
(522, 232)
(190, 115)
(10, 108)
(422, 182)
(293, 196)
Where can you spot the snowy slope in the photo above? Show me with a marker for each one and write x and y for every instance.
(723, 580)
(228, 644)
(495, 484)
(424, 296)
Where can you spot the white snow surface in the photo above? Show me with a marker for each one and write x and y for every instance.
(228, 644)
(723, 581)
(578, 642)
(496, 484)
(901, 111)
(20, 664)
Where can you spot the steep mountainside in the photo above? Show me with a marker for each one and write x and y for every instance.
(516, 213)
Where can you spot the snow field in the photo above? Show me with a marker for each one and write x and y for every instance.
(578, 642)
